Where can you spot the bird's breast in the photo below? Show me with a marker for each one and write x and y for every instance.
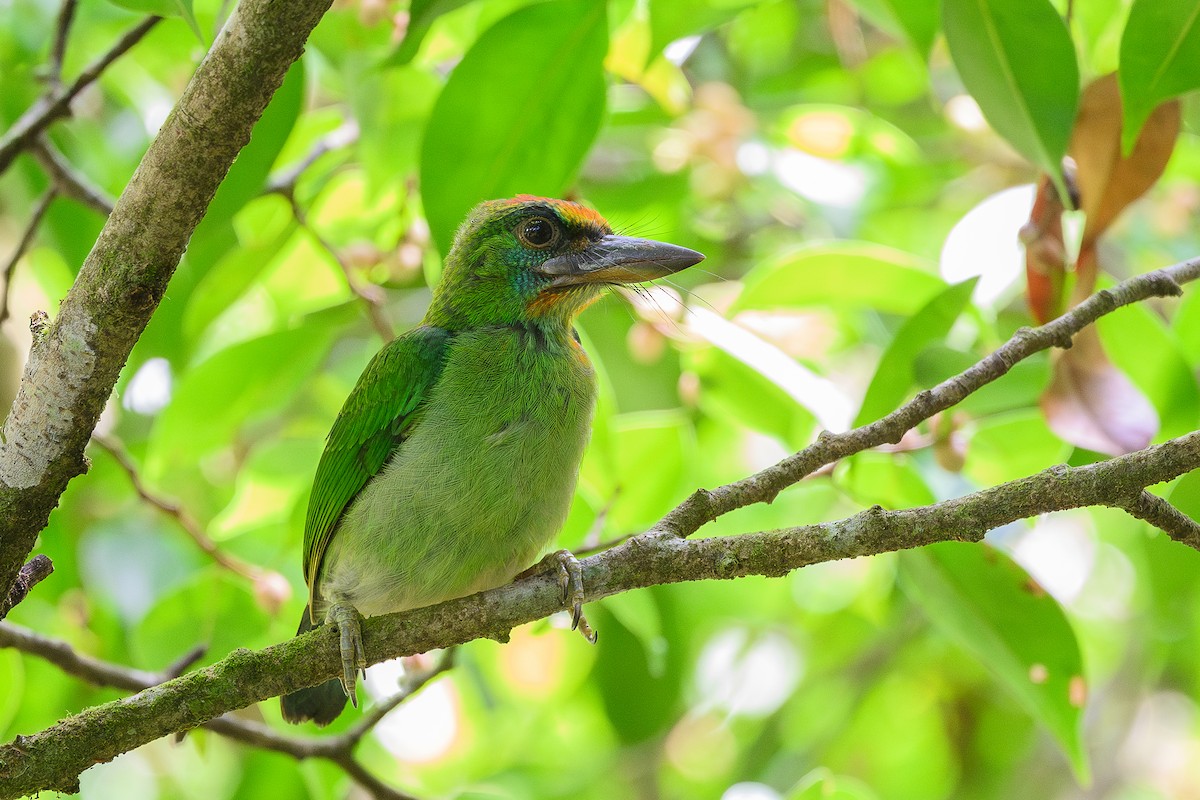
(482, 482)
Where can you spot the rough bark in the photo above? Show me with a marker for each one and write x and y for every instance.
(74, 365)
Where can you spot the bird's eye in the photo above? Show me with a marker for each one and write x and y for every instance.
(538, 232)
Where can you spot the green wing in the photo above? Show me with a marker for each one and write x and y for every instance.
(372, 424)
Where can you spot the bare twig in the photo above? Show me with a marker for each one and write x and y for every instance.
(284, 181)
(34, 572)
(1164, 516)
(371, 296)
(10, 266)
(191, 526)
(337, 749)
(56, 103)
(68, 180)
(703, 506)
(54, 757)
(66, 15)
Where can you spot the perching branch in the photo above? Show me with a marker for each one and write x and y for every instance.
(73, 367)
(705, 506)
(53, 758)
(338, 749)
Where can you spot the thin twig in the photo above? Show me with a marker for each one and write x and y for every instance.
(68, 180)
(284, 181)
(10, 266)
(66, 15)
(703, 506)
(36, 570)
(337, 749)
(181, 515)
(371, 296)
(1164, 516)
(56, 103)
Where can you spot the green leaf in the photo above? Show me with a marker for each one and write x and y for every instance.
(675, 19)
(979, 597)
(248, 381)
(918, 20)
(650, 451)
(518, 113)
(1159, 53)
(165, 8)
(894, 375)
(421, 15)
(1017, 60)
(842, 275)
(1019, 389)
(823, 784)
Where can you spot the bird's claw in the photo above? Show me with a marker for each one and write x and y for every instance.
(570, 581)
(354, 657)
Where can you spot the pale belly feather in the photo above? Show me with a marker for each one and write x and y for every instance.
(482, 483)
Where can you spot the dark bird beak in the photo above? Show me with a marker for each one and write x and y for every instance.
(619, 259)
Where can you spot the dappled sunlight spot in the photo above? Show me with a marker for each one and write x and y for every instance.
(532, 664)
(149, 390)
(129, 776)
(963, 112)
(744, 675)
(681, 50)
(426, 726)
(832, 586)
(1162, 747)
(823, 398)
(255, 505)
(1110, 587)
(827, 134)
(701, 747)
(984, 243)
(760, 451)
(749, 790)
(155, 113)
(1059, 552)
(799, 333)
(820, 180)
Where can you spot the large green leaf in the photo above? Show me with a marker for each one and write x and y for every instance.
(1017, 60)
(518, 113)
(842, 275)
(918, 20)
(894, 375)
(1159, 53)
(978, 596)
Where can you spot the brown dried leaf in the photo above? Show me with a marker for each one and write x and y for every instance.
(1045, 253)
(1090, 403)
(1107, 182)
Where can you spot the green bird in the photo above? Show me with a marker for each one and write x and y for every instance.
(453, 461)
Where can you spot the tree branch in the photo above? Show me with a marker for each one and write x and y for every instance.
(191, 526)
(56, 103)
(33, 573)
(68, 180)
(53, 758)
(337, 749)
(705, 506)
(10, 266)
(72, 368)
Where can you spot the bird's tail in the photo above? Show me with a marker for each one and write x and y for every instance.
(321, 703)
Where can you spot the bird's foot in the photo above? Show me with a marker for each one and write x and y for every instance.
(570, 581)
(354, 657)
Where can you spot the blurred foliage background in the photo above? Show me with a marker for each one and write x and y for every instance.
(839, 163)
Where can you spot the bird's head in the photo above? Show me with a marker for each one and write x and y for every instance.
(539, 259)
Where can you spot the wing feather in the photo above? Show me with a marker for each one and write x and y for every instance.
(371, 425)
